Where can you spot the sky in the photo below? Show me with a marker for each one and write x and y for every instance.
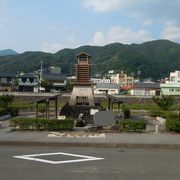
(52, 25)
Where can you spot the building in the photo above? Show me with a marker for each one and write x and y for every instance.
(106, 88)
(27, 82)
(54, 70)
(122, 79)
(100, 80)
(175, 77)
(170, 88)
(7, 81)
(58, 81)
(145, 89)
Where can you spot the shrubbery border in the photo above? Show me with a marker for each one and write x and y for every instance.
(42, 124)
(132, 125)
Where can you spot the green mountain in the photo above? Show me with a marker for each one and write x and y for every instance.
(155, 59)
(7, 52)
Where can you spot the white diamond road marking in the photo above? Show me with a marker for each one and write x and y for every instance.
(35, 157)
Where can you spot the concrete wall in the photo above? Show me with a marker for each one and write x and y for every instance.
(65, 97)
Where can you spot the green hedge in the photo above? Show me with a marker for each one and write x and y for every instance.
(3, 112)
(173, 125)
(157, 112)
(164, 114)
(10, 110)
(131, 125)
(42, 124)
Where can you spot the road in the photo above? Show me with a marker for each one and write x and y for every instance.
(116, 164)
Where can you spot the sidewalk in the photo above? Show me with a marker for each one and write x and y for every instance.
(130, 140)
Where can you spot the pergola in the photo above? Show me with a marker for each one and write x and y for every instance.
(114, 100)
(47, 101)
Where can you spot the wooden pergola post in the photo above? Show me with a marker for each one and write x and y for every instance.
(112, 105)
(109, 104)
(56, 107)
(118, 105)
(36, 109)
(47, 108)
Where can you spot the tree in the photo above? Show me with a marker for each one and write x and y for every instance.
(6, 100)
(47, 85)
(164, 101)
(68, 87)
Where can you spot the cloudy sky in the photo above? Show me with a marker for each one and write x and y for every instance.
(51, 25)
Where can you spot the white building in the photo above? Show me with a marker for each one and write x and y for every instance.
(145, 89)
(172, 87)
(106, 88)
(175, 77)
(100, 80)
(122, 79)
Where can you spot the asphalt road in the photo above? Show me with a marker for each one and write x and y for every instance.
(118, 164)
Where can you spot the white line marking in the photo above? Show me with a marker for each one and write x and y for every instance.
(33, 157)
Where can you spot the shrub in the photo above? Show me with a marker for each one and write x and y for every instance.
(159, 113)
(42, 109)
(164, 114)
(173, 125)
(3, 112)
(6, 100)
(13, 111)
(42, 124)
(164, 101)
(126, 113)
(131, 125)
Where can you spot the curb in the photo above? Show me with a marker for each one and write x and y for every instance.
(98, 145)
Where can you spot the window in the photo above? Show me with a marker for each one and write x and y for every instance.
(172, 78)
(31, 80)
(9, 79)
(24, 79)
(83, 58)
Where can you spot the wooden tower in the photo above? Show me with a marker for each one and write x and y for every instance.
(82, 93)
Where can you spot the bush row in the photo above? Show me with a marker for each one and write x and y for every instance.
(42, 124)
(3, 112)
(173, 125)
(164, 114)
(11, 110)
(131, 125)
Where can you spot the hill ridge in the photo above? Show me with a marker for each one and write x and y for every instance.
(155, 59)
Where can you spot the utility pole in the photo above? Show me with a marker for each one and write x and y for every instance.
(40, 75)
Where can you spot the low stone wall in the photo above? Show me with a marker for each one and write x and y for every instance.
(6, 117)
(64, 99)
(98, 98)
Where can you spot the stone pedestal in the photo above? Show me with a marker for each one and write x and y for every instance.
(82, 95)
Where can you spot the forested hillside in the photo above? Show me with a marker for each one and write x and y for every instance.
(155, 59)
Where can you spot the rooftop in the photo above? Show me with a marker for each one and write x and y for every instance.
(7, 75)
(146, 85)
(107, 85)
